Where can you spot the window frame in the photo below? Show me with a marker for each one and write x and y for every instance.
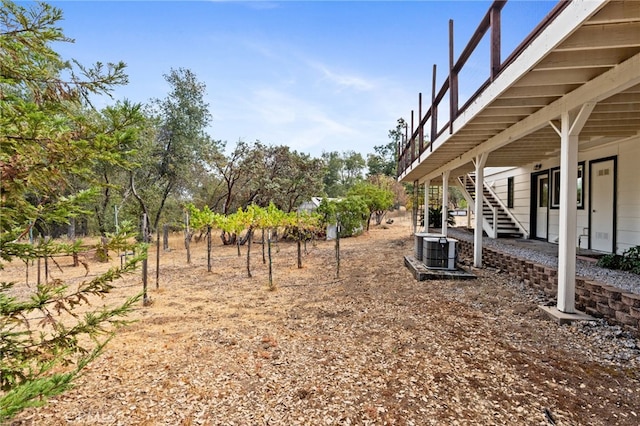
(554, 187)
(510, 192)
(580, 187)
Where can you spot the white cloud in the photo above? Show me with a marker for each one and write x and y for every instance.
(295, 121)
(343, 80)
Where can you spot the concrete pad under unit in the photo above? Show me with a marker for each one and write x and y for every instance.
(564, 318)
(422, 273)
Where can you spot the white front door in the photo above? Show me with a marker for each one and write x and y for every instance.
(602, 205)
(542, 203)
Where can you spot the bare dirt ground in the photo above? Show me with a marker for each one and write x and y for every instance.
(373, 347)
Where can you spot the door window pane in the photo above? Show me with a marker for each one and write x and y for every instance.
(543, 199)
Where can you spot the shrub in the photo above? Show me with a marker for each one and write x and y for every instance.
(435, 217)
(352, 212)
(629, 260)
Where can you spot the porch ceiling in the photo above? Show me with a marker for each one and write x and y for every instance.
(596, 61)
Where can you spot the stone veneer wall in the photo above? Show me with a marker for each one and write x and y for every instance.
(594, 298)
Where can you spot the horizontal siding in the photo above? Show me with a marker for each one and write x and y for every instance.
(628, 221)
(628, 197)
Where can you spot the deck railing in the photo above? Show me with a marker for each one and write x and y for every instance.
(414, 144)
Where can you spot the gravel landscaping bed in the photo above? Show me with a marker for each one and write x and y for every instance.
(621, 279)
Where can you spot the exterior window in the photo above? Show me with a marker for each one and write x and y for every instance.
(580, 185)
(510, 192)
(555, 187)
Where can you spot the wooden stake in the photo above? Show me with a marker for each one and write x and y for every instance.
(271, 286)
(338, 249)
(208, 248)
(158, 257)
(145, 239)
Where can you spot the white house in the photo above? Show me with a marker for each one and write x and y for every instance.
(552, 138)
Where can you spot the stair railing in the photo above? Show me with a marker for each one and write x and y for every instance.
(487, 226)
(491, 230)
(505, 209)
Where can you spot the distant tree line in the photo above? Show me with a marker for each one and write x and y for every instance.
(155, 158)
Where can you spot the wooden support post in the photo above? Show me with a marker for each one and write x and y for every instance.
(413, 140)
(571, 126)
(434, 109)
(414, 209)
(496, 64)
(453, 81)
(427, 183)
(480, 161)
(445, 202)
(421, 133)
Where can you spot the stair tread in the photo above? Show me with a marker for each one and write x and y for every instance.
(506, 227)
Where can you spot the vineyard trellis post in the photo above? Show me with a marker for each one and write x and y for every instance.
(299, 240)
(145, 263)
(271, 286)
(158, 258)
(46, 269)
(249, 238)
(187, 236)
(299, 250)
(338, 249)
(208, 248)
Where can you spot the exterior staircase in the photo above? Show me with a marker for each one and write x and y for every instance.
(498, 221)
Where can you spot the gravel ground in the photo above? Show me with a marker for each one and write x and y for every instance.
(620, 279)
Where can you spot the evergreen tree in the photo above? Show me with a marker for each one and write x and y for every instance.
(47, 150)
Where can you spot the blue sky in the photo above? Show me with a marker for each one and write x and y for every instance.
(314, 75)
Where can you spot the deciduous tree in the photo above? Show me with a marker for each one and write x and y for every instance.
(178, 146)
(351, 211)
(377, 199)
(255, 173)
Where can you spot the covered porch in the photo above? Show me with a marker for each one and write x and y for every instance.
(573, 85)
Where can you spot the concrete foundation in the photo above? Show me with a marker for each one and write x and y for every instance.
(422, 273)
(563, 318)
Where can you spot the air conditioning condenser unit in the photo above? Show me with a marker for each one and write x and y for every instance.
(419, 245)
(439, 253)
